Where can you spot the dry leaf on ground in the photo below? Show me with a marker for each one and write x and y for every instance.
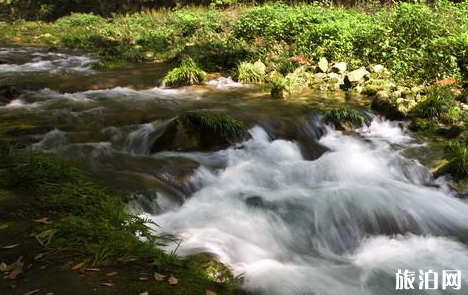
(172, 280)
(159, 277)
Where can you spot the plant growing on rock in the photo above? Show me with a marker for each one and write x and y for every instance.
(188, 73)
(343, 118)
(215, 123)
(438, 102)
(458, 164)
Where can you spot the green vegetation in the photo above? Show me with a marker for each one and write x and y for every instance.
(188, 73)
(214, 123)
(417, 43)
(458, 164)
(342, 117)
(75, 220)
(250, 73)
(439, 102)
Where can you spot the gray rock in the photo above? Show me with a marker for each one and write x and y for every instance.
(357, 75)
(378, 68)
(340, 67)
(323, 65)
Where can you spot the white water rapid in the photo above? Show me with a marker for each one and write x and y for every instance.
(340, 225)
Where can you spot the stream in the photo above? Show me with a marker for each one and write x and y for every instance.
(297, 208)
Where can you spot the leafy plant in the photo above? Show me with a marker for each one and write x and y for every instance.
(439, 102)
(250, 73)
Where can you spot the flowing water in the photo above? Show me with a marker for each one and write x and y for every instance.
(296, 208)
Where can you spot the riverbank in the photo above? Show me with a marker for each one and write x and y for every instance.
(56, 225)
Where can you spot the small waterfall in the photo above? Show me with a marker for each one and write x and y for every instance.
(139, 141)
(341, 224)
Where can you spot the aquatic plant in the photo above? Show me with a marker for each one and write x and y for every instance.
(188, 73)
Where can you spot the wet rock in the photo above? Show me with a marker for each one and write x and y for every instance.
(2, 62)
(384, 105)
(8, 93)
(279, 93)
(450, 131)
(323, 65)
(340, 67)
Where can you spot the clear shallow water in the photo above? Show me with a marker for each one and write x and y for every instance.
(339, 222)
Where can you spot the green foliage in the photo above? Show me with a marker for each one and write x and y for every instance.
(215, 123)
(250, 73)
(86, 214)
(440, 101)
(342, 116)
(188, 73)
(458, 165)
(80, 20)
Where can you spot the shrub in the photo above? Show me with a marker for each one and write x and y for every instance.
(81, 20)
(188, 73)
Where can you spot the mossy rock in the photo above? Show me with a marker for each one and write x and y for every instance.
(8, 93)
(344, 118)
(200, 131)
(387, 107)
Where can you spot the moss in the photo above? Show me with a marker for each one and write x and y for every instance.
(343, 117)
(424, 126)
(188, 73)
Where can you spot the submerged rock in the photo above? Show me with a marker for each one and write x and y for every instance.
(279, 92)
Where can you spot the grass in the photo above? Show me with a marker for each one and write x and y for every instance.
(188, 73)
(440, 101)
(343, 116)
(214, 123)
(458, 164)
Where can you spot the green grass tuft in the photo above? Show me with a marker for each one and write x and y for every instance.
(188, 73)
(250, 73)
(439, 102)
(342, 116)
(458, 165)
(216, 123)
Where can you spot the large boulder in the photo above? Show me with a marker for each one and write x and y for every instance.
(199, 131)
(323, 65)
(8, 93)
(340, 67)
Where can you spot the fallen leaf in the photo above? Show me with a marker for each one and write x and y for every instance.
(144, 293)
(159, 277)
(108, 284)
(43, 234)
(172, 280)
(143, 278)
(13, 275)
(209, 292)
(44, 220)
(10, 246)
(111, 274)
(79, 265)
(3, 267)
(93, 269)
(4, 226)
(32, 292)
